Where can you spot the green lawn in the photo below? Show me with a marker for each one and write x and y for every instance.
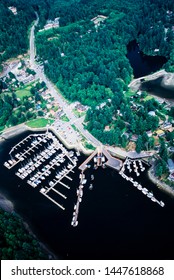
(39, 123)
(20, 93)
(74, 127)
(129, 93)
(78, 114)
(148, 97)
(64, 118)
(89, 146)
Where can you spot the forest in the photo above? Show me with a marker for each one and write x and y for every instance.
(14, 28)
(18, 103)
(88, 62)
(15, 241)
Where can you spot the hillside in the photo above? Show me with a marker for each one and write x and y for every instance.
(86, 58)
(14, 26)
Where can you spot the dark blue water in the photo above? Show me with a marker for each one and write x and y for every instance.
(116, 221)
(143, 64)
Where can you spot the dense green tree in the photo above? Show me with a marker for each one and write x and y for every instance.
(15, 241)
(163, 151)
(14, 28)
(139, 144)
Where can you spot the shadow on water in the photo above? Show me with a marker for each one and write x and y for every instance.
(155, 87)
(116, 221)
(143, 64)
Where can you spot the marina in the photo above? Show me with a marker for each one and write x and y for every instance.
(136, 166)
(113, 210)
(43, 162)
(102, 158)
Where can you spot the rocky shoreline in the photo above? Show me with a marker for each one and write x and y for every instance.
(6, 204)
(167, 80)
(161, 185)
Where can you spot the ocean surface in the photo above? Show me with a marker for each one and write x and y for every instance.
(116, 221)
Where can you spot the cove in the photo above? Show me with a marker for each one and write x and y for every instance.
(116, 221)
(143, 64)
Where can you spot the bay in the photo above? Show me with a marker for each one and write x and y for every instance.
(116, 221)
(143, 64)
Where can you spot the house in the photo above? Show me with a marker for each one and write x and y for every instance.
(170, 164)
(13, 10)
(167, 125)
(134, 137)
(107, 128)
(80, 108)
(149, 133)
(171, 177)
(51, 24)
(152, 113)
(139, 93)
(96, 20)
(53, 113)
(160, 132)
(170, 129)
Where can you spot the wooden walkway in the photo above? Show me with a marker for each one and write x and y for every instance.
(111, 161)
(83, 166)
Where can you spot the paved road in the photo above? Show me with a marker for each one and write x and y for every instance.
(32, 45)
(135, 84)
(56, 94)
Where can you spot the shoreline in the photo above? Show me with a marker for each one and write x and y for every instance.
(7, 206)
(15, 130)
(167, 80)
(11, 132)
(4, 202)
(160, 185)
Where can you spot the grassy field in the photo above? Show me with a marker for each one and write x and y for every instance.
(148, 97)
(23, 92)
(78, 114)
(37, 123)
(129, 93)
(64, 118)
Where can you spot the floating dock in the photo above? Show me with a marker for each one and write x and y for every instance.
(135, 164)
(44, 163)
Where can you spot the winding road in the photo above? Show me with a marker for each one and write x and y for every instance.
(56, 93)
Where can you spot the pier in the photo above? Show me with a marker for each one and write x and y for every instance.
(99, 156)
(137, 168)
(44, 163)
(74, 221)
